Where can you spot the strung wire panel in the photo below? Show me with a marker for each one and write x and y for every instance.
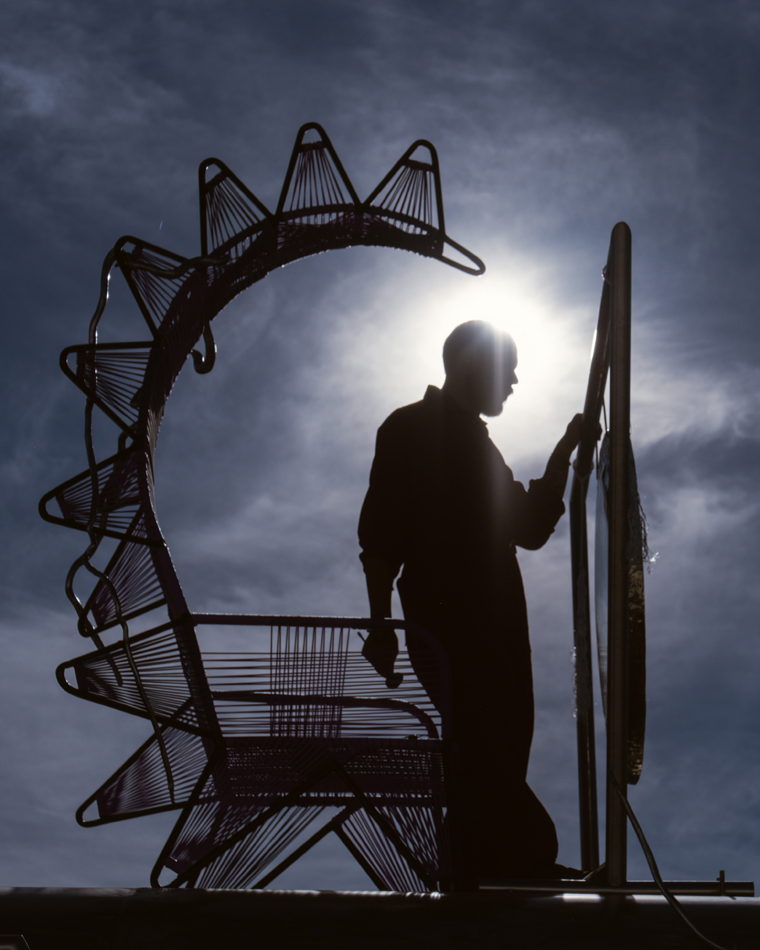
(263, 769)
(317, 190)
(258, 780)
(112, 375)
(232, 215)
(379, 853)
(107, 676)
(241, 684)
(220, 819)
(307, 663)
(139, 787)
(162, 674)
(148, 270)
(132, 577)
(237, 679)
(408, 201)
(240, 865)
(423, 831)
(117, 503)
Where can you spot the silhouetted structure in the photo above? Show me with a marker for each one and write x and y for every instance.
(619, 582)
(249, 748)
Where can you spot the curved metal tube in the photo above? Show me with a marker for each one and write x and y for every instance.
(204, 364)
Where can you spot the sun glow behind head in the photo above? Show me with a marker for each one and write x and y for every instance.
(551, 348)
(386, 346)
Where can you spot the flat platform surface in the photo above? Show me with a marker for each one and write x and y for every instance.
(106, 919)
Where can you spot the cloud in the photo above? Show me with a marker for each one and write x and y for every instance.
(551, 122)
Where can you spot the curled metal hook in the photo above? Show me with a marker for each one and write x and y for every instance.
(204, 364)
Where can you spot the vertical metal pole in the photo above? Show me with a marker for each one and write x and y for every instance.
(584, 692)
(617, 644)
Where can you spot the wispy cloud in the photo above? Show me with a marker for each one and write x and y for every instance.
(552, 122)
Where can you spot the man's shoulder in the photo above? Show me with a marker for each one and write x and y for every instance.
(418, 414)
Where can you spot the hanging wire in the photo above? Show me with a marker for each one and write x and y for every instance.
(649, 855)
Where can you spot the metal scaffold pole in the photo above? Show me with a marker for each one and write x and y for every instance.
(584, 700)
(617, 646)
(584, 692)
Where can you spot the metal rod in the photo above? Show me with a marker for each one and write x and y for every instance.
(584, 692)
(617, 644)
(679, 888)
(584, 696)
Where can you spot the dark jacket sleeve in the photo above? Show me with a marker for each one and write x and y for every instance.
(385, 515)
(537, 510)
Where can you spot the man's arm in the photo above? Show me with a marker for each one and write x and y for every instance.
(539, 509)
(381, 646)
(380, 576)
(555, 476)
(383, 520)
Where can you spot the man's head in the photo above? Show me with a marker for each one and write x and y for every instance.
(480, 364)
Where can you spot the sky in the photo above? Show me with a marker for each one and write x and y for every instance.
(552, 122)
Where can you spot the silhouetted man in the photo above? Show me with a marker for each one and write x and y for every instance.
(443, 504)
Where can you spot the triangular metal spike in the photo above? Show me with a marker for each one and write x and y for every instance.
(230, 212)
(132, 577)
(410, 194)
(139, 786)
(117, 503)
(108, 677)
(112, 375)
(153, 274)
(316, 180)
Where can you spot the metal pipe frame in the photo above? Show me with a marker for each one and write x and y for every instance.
(584, 696)
(617, 645)
(584, 691)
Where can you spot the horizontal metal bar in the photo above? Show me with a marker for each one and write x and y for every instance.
(273, 620)
(679, 888)
(348, 702)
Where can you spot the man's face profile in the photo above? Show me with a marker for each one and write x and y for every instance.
(492, 379)
(502, 380)
(480, 365)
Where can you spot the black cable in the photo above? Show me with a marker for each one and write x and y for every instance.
(653, 865)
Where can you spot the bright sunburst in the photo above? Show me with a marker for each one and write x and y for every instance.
(551, 343)
(389, 348)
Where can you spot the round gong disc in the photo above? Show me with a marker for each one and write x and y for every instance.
(636, 606)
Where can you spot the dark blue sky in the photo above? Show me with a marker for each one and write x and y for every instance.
(552, 122)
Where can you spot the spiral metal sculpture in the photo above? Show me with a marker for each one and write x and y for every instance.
(250, 748)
